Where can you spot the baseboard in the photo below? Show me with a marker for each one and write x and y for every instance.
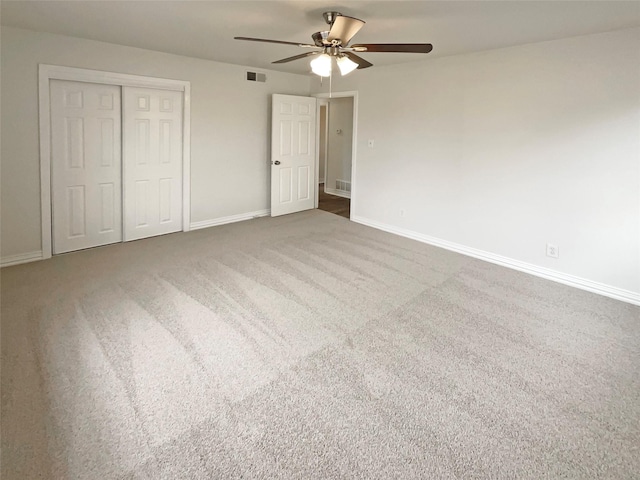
(230, 219)
(564, 278)
(21, 258)
(338, 193)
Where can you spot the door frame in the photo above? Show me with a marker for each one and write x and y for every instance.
(46, 73)
(354, 140)
(322, 102)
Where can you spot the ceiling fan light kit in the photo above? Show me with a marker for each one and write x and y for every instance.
(321, 65)
(345, 65)
(335, 43)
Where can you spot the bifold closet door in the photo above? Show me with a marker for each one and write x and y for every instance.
(86, 175)
(152, 146)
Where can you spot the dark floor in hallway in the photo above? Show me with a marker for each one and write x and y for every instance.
(333, 204)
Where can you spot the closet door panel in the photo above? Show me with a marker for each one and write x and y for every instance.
(86, 166)
(152, 140)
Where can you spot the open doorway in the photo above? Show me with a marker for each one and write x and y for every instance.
(336, 134)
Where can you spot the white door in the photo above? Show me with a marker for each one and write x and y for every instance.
(293, 154)
(152, 140)
(85, 165)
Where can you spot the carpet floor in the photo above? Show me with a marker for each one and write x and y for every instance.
(308, 346)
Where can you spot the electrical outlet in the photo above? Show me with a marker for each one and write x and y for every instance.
(402, 212)
(552, 250)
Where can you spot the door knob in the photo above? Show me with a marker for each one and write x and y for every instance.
(277, 162)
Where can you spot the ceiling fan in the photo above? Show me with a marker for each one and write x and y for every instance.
(334, 43)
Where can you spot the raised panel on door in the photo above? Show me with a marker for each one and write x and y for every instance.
(86, 174)
(293, 151)
(152, 144)
(304, 180)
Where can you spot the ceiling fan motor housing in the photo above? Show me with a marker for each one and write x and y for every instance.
(320, 38)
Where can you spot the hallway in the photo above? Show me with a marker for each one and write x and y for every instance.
(333, 203)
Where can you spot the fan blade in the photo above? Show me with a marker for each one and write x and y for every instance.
(393, 47)
(274, 41)
(297, 57)
(362, 63)
(344, 28)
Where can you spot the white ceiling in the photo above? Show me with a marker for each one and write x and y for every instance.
(205, 29)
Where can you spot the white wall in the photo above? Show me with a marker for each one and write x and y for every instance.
(229, 126)
(502, 151)
(340, 138)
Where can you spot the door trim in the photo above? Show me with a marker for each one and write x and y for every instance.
(55, 72)
(322, 102)
(354, 142)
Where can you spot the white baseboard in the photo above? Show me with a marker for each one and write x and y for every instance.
(21, 258)
(338, 193)
(560, 277)
(230, 219)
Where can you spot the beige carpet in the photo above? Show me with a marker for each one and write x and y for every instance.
(307, 346)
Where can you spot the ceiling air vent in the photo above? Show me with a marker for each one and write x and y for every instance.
(256, 77)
